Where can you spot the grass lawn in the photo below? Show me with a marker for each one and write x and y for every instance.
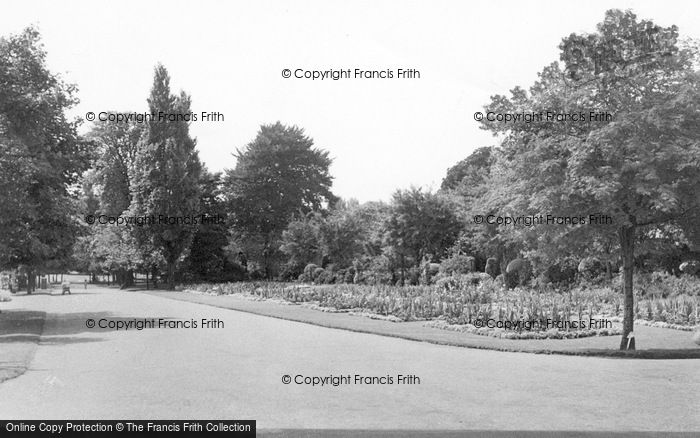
(652, 343)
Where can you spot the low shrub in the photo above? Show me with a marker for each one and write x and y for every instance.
(661, 284)
(461, 281)
(308, 275)
(457, 264)
(690, 267)
(325, 276)
(563, 271)
(378, 271)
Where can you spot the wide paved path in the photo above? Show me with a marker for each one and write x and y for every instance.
(236, 372)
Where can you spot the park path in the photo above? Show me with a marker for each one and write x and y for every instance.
(236, 372)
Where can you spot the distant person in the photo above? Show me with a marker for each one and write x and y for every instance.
(85, 281)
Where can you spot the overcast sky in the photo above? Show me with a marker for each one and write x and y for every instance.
(383, 134)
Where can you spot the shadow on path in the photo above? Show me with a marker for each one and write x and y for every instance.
(20, 331)
(67, 324)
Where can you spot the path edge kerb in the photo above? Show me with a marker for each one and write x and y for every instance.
(658, 354)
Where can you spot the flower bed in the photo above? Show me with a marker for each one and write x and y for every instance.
(456, 306)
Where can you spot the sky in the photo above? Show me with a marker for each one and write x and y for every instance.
(383, 134)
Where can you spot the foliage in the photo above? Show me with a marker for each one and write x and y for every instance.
(641, 168)
(278, 176)
(663, 285)
(308, 275)
(207, 258)
(301, 243)
(116, 145)
(41, 157)
(491, 267)
(420, 225)
(457, 264)
(563, 271)
(469, 175)
(518, 272)
(590, 268)
(346, 232)
(166, 180)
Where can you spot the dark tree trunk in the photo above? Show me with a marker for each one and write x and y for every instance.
(627, 249)
(125, 278)
(31, 281)
(154, 277)
(171, 275)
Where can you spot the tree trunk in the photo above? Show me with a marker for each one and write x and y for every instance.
(125, 278)
(171, 275)
(627, 249)
(31, 281)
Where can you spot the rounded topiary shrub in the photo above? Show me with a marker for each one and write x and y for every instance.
(591, 268)
(500, 280)
(316, 273)
(518, 272)
(326, 276)
(349, 275)
(492, 267)
(308, 275)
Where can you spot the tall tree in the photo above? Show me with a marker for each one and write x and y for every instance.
(107, 191)
(345, 234)
(116, 146)
(470, 173)
(278, 176)
(302, 244)
(642, 167)
(41, 157)
(166, 177)
(420, 224)
(208, 259)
